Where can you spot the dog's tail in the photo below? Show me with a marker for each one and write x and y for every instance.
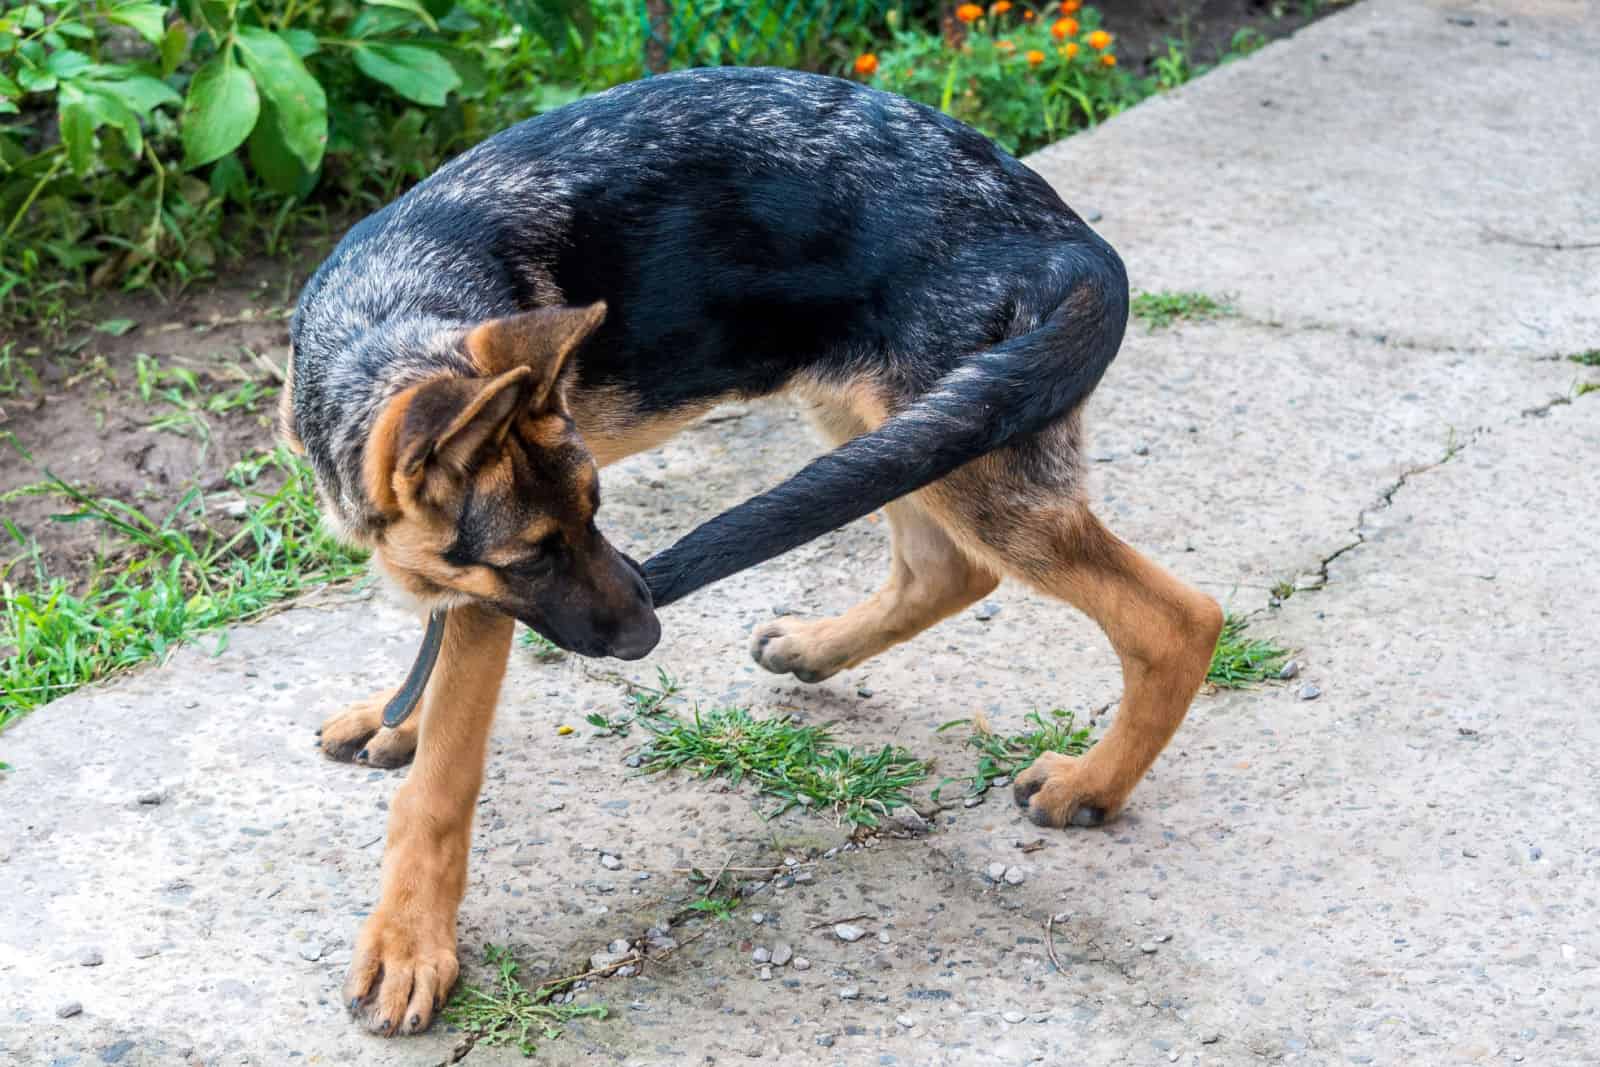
(1018, 387)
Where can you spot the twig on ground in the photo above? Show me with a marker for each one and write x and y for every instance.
(1050, 943)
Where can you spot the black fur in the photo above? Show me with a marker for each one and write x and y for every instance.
(744, 227)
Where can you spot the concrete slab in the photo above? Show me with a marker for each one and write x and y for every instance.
(1389, 171)
(1298, 870)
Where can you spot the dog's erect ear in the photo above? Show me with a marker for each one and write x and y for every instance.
(541, 340)
(444, 428)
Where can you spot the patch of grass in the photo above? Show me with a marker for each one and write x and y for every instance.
(509, 1013)
(544, 649)
(1004, 757)
(1590, 358)
(1241, 661)
(797, 765)
(166, 582)
(1585, 388)
(1160, 310)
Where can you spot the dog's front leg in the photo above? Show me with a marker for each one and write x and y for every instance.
(405, 957)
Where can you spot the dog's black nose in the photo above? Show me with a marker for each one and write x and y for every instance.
(637, 639)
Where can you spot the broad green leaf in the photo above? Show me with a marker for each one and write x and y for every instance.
(418, 74)
(108, 110)
(227, 179)
(413, 6)
(219, 111)
(66, 63)
(174, 46)
(116, 327)
(77, 130)
(273, 160)
(9, 88)
(299, 106)
(304, 42)
(7, 107)
(36, 79)
(147, 20)
(140, 92)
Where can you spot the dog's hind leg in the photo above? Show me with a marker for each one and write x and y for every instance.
(930, 579)
(356, 734)
(1023, 513)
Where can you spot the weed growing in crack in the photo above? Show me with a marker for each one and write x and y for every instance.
(1241, 661)
(719, 894)
(1590, 358)
(800, 766)
(544, 649)
(1004, 757)
(509, 1013)
(1160, 310)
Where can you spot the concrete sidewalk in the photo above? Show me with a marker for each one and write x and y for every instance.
(1402, 871)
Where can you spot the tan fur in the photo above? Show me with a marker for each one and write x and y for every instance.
(286, 410)
(405, 956)
(609, 421)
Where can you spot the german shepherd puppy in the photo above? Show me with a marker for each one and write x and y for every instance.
(585, 284)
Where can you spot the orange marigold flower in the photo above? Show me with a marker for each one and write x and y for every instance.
(1035, 57)
(969, 12)
(867, 64)
(1108, 60)
(1099, 40)
(1027, 15)
(1064, 28)
(1070, 6)
(1070, 50)
(1000, 7)
(1006, 46)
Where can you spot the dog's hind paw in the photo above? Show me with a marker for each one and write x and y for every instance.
(357, 735)
(799, 647)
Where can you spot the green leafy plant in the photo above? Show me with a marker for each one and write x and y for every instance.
(1160, 310)
(1021, 77)
(1003, 757)
(1591, 358)
(168, 581)
(1241, 661)
(509, 1013)
(799, 765)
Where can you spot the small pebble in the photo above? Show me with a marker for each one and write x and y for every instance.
(804, 878)
(766, 974)
(1148, 947)
(986, 611)
(758, 917)
(848, 932)
(1141, 449)
(1210, 1037)
(883, 937)
(781, 954)
(1013, 1016)
(69, 1009)
(311, 952)
(1309, 692)
(90, 957)
(1289, 670)
(906, 1021)
(1470, 853)
(627, 972)
(972, 802)
(152, 796)
(557, 806)
(619, 946)
(850, 992)
(996, 872)
(1162, 939)
(1015, 876)
(863, 692)
(610, 862)
(801, 963)
(825, 1040)
(762, 955)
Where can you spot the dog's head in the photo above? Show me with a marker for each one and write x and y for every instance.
(489, 494)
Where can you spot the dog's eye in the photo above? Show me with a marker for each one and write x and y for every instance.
(538, 562)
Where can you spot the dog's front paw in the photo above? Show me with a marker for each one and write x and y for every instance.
(805, 649)
(357, 735)
(403, 969)
(1058, 790)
